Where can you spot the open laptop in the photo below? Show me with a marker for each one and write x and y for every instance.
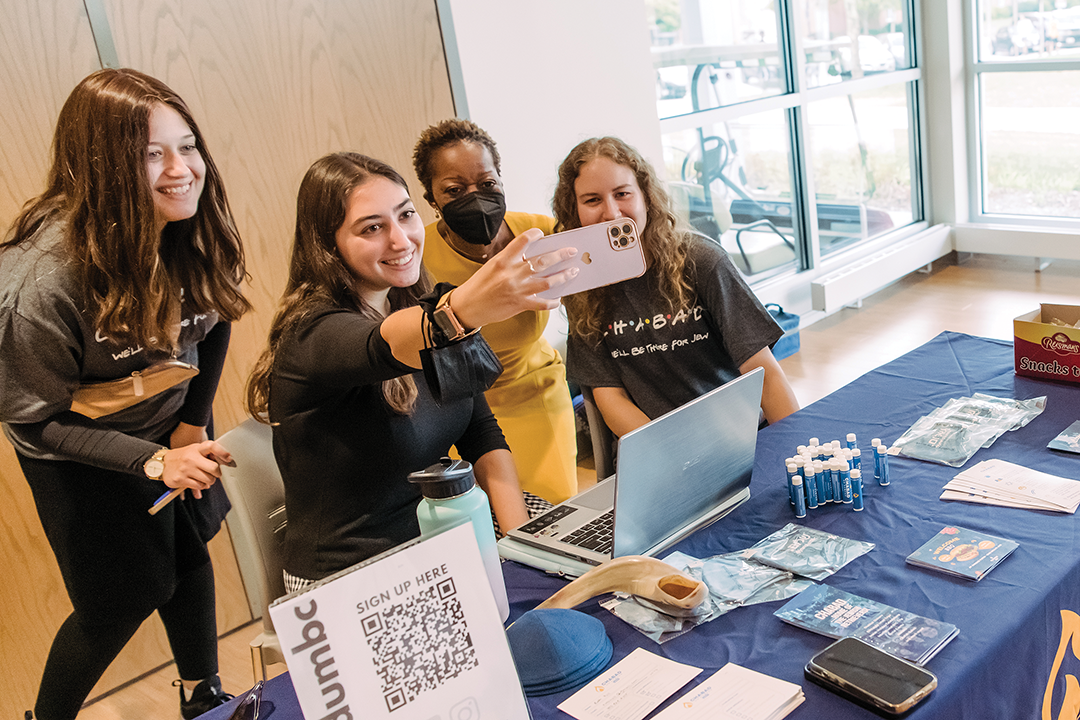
(675, 475)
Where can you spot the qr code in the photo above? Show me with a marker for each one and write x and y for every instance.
(419, 644)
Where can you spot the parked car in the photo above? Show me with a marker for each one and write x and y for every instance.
(897, 46)
(874, 57)
(1046, 25)
(1016, 38)
(1068, 25)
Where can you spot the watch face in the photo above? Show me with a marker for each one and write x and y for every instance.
(446, 323)
(154, 468)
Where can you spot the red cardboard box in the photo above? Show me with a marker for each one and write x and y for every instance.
(1047, 351)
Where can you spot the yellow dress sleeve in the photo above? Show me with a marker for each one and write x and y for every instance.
(530, 399)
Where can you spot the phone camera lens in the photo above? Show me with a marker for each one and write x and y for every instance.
(614, 232)
(623, 241)
(626, 229)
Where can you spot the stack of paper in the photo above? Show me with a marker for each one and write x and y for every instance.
(736, 693)
(997, 482)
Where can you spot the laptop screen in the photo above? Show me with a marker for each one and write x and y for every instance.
(684, 464)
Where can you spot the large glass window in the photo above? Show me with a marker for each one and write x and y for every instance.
(788, 126)
(860, 157)
(1026, 82)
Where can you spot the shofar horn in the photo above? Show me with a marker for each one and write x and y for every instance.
(638, 575)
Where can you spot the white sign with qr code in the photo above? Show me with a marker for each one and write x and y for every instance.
(412, 634)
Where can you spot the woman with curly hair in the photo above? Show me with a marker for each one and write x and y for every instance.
(688, 325)
(459, 166)
(130, 258)
(352, 414)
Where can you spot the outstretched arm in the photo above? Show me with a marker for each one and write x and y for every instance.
(502, 287)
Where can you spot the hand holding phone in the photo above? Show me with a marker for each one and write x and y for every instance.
(607, 253)
(871, 677)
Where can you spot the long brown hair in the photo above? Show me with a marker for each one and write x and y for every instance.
(319, 276)
(99, 187)
(663, 242)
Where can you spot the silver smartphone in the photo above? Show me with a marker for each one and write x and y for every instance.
(607, 252)
(871, 677)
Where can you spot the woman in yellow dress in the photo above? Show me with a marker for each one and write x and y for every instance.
(459, 165)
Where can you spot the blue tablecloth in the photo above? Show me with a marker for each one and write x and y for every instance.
(1002, 665)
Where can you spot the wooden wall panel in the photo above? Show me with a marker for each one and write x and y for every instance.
(276, 85)
(45, 48)
(273, 85)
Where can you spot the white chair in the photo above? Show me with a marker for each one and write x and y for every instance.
(256, 523)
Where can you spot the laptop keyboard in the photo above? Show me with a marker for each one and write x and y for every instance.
(595, 535)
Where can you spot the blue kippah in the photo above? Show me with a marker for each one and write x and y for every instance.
(556, 649)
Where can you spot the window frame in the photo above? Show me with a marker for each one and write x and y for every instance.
(809, 262)
(974, 69)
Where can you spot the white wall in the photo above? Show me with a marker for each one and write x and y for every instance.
(542, 76)
(943, 62)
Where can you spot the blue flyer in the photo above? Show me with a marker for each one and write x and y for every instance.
(965, 553)
(834, 613)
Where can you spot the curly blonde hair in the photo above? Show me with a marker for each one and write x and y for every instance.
(665, 245)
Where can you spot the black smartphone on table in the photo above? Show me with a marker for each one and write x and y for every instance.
(871, 677)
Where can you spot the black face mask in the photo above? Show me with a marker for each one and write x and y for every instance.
(476, 217)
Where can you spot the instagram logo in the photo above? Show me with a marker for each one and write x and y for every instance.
(467, 709)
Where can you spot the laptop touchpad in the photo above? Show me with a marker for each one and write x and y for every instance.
(598, 497)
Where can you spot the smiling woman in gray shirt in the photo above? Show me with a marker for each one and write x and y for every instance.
(129, 258)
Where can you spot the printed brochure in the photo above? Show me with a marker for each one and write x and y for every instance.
(962, 552)
(836, 614)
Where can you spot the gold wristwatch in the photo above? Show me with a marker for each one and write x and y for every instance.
(155, 466)
(447, 321)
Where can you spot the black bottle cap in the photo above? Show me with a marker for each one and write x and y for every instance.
(445, 479)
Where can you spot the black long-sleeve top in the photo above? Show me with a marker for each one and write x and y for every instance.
(344, 454)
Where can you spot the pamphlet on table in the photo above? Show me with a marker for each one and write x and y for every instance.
(998, 482)
(834, 613)
(965, 553)
(630, 689)
(736, 693)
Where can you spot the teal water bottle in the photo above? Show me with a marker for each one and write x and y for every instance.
(451, 497)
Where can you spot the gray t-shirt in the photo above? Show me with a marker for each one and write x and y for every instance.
(662, 359)
(48, 347)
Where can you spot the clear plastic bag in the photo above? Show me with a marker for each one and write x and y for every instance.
(807, 552)
(1027, 409)
(954, 432)
(733, 582)
(947, 440)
